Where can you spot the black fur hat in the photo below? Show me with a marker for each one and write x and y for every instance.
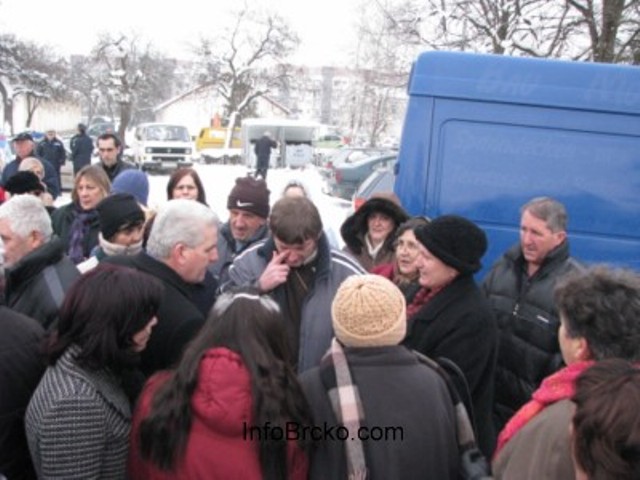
(355, 226)
(456, 241)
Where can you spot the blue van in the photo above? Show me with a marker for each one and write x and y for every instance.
(483, 134)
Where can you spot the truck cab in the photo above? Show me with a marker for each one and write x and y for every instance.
(162, 146)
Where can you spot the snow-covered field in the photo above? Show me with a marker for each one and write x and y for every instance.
(218, 181)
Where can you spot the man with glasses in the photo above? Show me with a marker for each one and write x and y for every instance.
(109, 150)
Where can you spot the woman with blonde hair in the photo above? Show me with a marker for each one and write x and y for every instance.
(77, 223)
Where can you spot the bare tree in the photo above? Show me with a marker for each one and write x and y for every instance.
(612, 27)
(247, 60)
(382, 59)
(132, 76)
(30, 70)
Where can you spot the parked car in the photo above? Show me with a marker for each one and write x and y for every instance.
(97, 129)
(345, 155)
(346, 178)
(381, 180)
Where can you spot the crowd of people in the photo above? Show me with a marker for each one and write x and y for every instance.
(165, 344)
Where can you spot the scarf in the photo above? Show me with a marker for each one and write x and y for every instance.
(420, 299)
(82, 220)
(556, 387)
(347, 406)
(373, 251)
(111, 249)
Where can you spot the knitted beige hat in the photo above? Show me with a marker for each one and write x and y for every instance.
(369, 311)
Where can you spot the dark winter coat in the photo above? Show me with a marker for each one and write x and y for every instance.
(316, 330)
(218, 445)
(119, 167)
(262, 149)
(21, 367)
(227, 250)
(528, 322)
(53, 151)
(78, 422)
(179, 320)
(35, 285)
(62, 220)
(355, 227)
(397, 391)
(51, 177)
(81, 151)
(458, 324)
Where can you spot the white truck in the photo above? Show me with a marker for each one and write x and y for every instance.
(162, 146)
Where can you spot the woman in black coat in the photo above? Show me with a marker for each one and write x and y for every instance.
(456, 321)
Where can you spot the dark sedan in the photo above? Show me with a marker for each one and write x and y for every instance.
(346, 178)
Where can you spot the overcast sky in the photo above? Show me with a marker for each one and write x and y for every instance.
(326, 27)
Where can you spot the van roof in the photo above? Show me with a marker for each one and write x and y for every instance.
(541, 82)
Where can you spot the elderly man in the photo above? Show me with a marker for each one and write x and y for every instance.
(37, 271)
(302, 272)
(182, 243)
(520, 289)
(25, 147)
(248, 205)
(109, 150)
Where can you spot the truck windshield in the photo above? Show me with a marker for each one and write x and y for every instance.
(168, 133)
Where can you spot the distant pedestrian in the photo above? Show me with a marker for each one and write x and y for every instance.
(262, 149)
(52, 149)
(81, 149)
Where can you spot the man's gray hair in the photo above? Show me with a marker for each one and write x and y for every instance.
(549, 210)
(26, 214)
(179, 221)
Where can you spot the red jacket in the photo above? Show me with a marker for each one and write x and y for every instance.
(221, 411)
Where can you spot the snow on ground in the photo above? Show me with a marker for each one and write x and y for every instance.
(218, 180)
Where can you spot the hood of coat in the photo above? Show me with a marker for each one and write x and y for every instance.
(355, 227)
(222, 399)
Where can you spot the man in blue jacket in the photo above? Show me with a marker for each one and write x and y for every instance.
(52, 150)
(25, 146)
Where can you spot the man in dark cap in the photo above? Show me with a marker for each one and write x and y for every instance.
(248, 205)
(25, 147)
(81, 148)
